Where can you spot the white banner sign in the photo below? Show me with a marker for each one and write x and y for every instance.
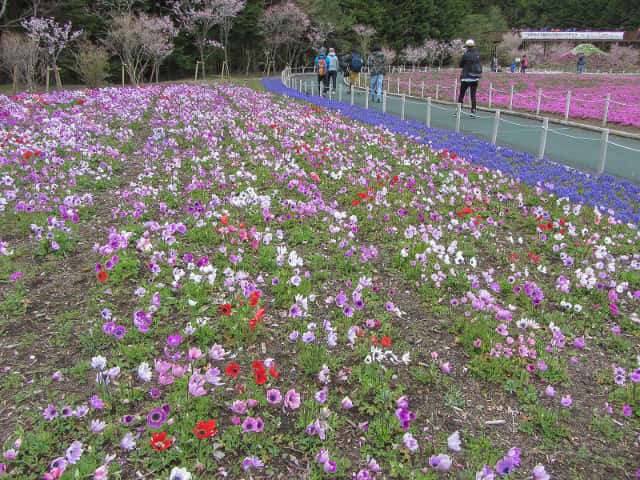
(571, 35)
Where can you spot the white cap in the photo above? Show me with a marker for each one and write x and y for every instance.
(470, 43)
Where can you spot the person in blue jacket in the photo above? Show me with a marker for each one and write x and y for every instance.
(321, 67)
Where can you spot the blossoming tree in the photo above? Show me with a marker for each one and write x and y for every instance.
(199, 17)
(283, 26)
(52, 37)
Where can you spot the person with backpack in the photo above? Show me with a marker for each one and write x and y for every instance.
(332, 69)
(524, 64)
(354, 62)
(470, 74)
(377, 66)
(321, 66)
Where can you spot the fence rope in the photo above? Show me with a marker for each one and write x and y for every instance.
(624, 146)
(572, 136)
(517, 124)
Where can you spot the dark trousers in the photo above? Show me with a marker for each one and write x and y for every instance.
(473, 87)
(332, 76)
(323, 81)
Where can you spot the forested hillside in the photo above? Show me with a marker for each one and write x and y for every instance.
(265, 34)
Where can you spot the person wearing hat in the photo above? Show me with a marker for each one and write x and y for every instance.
(470, 75)
(332, 68)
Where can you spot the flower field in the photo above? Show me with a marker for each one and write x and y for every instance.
(588, 93)
(209, 281)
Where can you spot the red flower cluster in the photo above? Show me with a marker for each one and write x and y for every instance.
(368, 195)
(258, 369)
(102, 276)
(550, 225)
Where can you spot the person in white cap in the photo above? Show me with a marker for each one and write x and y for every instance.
(471, 74)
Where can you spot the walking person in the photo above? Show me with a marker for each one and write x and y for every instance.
(354, 64)
(377, 65)
(332, 69)
(581, 61)
(524, 64)
(470, 74)
(321, 68)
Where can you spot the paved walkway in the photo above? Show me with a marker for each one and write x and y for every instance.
(572, 146)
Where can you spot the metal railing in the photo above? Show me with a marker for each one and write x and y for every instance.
(593, 149)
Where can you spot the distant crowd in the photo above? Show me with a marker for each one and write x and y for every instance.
(327, 65)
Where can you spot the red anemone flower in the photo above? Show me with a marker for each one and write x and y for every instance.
(225, 309)
(259, 314)
(205, 429)
(254, 298)
(233, 369)
(258, 366)
(385, 341)
(273, 372)
(159, 441)
(260, 377)
(102, 275)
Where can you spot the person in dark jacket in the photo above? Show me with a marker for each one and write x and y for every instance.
(470, 75)
(581, 61)
(377, 66)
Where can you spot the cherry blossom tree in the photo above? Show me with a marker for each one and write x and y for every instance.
(125, 39)
(318, 34)
(414, 55)
(200, 17)
(283, 27)
(52, 37)
(431, 51)
(157, 35)
(227, 10)
(455, 50)
(364, 34)
(19, 56)
(389, 54)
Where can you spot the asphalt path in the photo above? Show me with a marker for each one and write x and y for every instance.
(573, 146)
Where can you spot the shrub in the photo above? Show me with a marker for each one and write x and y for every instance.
(90, 63)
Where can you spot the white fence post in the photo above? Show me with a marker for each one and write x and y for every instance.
(422, 94)
(543, 137)
(539, 101)
(437, 89)
(490, 93)
(429, 112)
(496, 123)
(604, 141)
(366, 101)
(404, 102)
(409, 92)
(605, 114)
(458, 115)
(511, 99)
(566, 111)
(384, 102)
(455, 91)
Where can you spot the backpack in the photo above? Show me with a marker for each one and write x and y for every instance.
(322, 66)
(356, 63)
(526, 62)
(476, 69)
